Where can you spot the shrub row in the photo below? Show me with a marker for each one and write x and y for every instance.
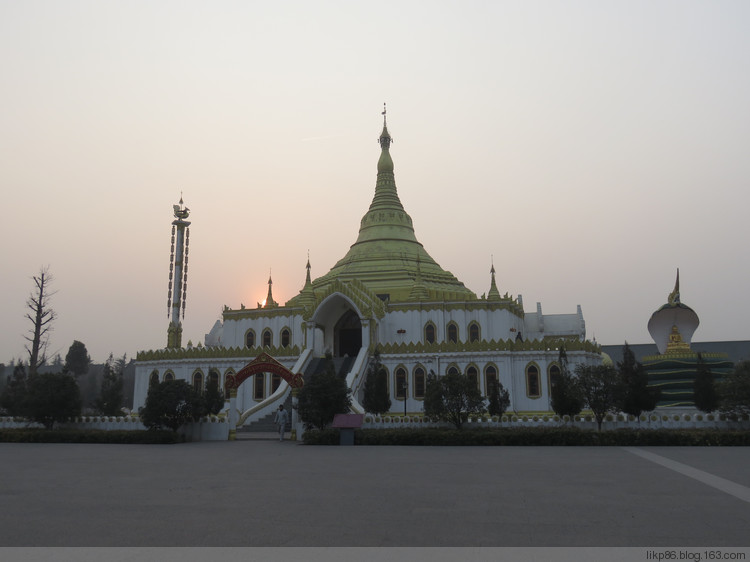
(89, 436)
(535, 437)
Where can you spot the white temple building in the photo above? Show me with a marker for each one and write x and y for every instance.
(385, 293)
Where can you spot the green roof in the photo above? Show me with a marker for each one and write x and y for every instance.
(387, 258)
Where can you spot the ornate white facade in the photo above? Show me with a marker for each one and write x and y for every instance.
(386, 293)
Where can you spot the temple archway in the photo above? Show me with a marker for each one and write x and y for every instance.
(347, 335)
(264, 363)
(338, 327)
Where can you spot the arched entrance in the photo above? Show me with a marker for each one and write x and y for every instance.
(264, 363)
(347, 335)
(337, 326)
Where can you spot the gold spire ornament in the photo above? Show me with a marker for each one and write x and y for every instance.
(674, 296)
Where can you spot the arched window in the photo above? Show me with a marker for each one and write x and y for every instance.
(226, 375)
(286, 337)
(400, 383)
(473, 332)
(490, 378)
(153, 378)
(198, 381)
(275, 382)
(452, 370)
(169, 376)
(452, 332)
(554, 375)
(473, 375)
(429, 333)
(213, 376)
(259, 386)
(250, 338)
(267, 338)
(532, 381)
(419, 382)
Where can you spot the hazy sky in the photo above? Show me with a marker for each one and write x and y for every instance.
(591, 147)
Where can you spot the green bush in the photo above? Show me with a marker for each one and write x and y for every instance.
(321, 437)
(144, 437)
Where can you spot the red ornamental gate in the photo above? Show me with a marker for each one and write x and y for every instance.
(264, 363)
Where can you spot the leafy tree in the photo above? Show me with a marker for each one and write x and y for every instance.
(600, 389)
(77, 360)
(565, 394)
(13, 398)
(376, 399)
(324, 395)
(433, 397)
(213, 396)
(41, 316)
(52, 397)
(169, 404)
(109, 401)
(57, 362)
(460, 398)
(734, 391)
(635, 394)
(704, 389)
(499, 400)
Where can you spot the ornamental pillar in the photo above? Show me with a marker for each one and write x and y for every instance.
(178, 269)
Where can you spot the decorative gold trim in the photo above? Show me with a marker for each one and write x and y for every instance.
(492, 345)
(366, 301)
(256, 313)
(465, 305)
(215, 353)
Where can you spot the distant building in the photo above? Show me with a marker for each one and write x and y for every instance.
(672, 361)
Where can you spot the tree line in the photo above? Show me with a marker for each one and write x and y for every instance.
(49, 397)
(603, 389)
(609, 389)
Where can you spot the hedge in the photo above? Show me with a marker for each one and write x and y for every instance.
(535, 437)
(33, 435)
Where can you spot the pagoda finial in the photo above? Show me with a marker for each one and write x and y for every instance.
(270, 303)
(308, 281)
(494, 294)
(674, 296)
(385, 139)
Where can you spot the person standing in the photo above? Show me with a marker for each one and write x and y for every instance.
(281, 419)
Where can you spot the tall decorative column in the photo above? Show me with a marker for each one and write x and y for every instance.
(178, 269)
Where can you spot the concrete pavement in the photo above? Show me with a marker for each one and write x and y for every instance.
(266, 493)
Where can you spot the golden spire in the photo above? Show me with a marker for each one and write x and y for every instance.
(270, 303)
(494, 294)
(674, 296)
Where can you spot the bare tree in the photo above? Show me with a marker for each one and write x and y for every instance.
(41, 316)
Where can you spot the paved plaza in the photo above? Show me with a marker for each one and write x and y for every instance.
(266, 493)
